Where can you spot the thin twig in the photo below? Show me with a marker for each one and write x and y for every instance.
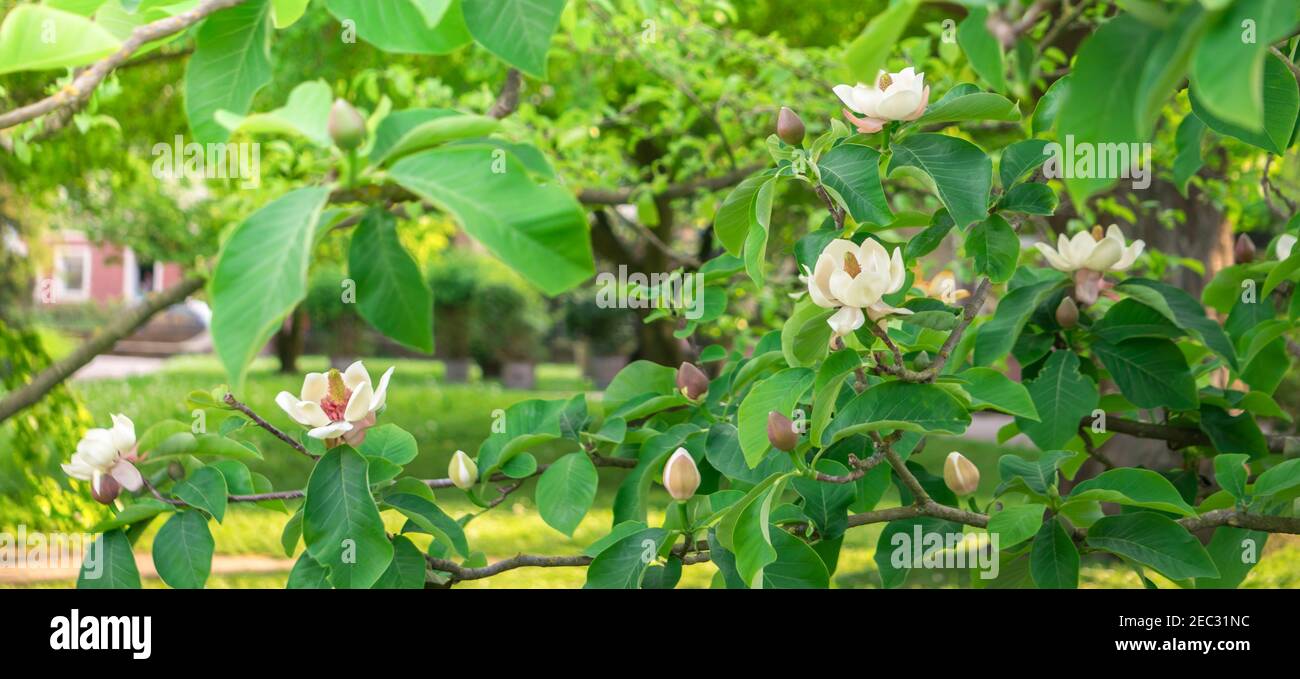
(257, 419)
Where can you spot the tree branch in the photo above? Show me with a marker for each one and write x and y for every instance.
(79, 90)
(257, 419)
(102, 341)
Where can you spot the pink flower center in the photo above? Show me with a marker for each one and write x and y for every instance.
(333, 408)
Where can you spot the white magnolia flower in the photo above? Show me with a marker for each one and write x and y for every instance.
(1284, 245)
(107, 452)
(337, 405)
(893, 96)
(1091, 251)
(855, 278)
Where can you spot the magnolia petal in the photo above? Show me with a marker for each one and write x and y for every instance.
(866, 125)
(359, 403)
(381, 392)
(97, 451)
(920, 108)
(355, 376)
(314, 387)
(1057, 261)
(880, 310)
(331, 430)
(1284, 246)
(845, 93)
(897, 105)
(1131, 253)
(1104, 254)
(123, 432)
(846, 320)
(78, 470)
(289, 405)
(897, 272)
(127, 475)
(310, 414)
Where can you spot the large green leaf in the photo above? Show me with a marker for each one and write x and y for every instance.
(902, 405)
(826, 389)
(739, 213)
(1063, 396)
(780, 392)
(308, 574)
(805, 336)
(1054, 561)
(827, 504)
(427, 517)
(991, 390)
(262, 275)
(205, 489)
(1281, 478)
(867, 53)
(405, 26)
(287, 12)
(1281, 103)
(1131, 319)
(1150, 371)
(305, 114)
(390, 442)
(970, 106)
(995, 247)
(539, 230)
(962, 173)
(897, 544)
(1154, 541)
(231, 62)
(1019, 159)
(1038, 475)
(35, 38)
(797, 565)
(565, 492)
(998, 335)
(1133, 487)
(1228, 71)
(1230, 472)
(983, 51)
(402, 133)
(623, 564)
(407, 569)
(1235, 551)
(517, 31)
(853, 170)
(341, 524)
(182, 550)
(1016, 523)
(1184, 311)
(109, 563)
(392, 294)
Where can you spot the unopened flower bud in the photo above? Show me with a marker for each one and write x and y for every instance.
(105, 491)
(960, 474)
(175, 470)
(346, 126)
(692, 381)
(1244, 251)
(789, 127)
(1067, 313)
(781, 433)
(922, 360)
(462, 470)
(681, 476)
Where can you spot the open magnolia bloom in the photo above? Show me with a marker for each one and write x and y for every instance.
(893, 96)
(855, 278)
(1284, 245)
(337, 405)
(1092, 251)
(104, 458)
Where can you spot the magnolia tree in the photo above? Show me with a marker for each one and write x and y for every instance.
(770, 449)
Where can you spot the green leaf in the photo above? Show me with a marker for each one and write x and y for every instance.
(1031, 199)
(205, 489)
(182, 551)
(517, 31)
(931, 237)
(390, 442)
(1191, 132)
(752, 536)
(407, 569)
(341, 524)
(1054, 561)
(826, 389)
(1131, 319)
(402, 133)
(1063, 396)
(305, 114)
(429, 518)
(231, 62)
(135, 512)
(995, 247)
(565, 492)
(1049, 106)
(780, 392)
(1228, 72)
(292, 533)
(1184, 311)
(867, 53)
(539, 230)
(1230, 473)
(1280, 273)
(805, 336)
(991, 390)
(898, 539)
(287, 12)
(962, 173)
(1135, 488)
(1019, 159)
(639, 378)
(1235, 551)
(900, 405)
(1017, 523)
(1281, 103)
(262, 275)
(983, 51)
(853, 170)
(392, 294)
(797, 565)
(1229, 434)
(1155, 541)
(738, 214)
(1281, 478)
(972, 106)
(622, 564)
(307, 574)
(406, 26)
(1150, 371)
(826, 504)
(1038, 475)
(37, 38)
(109, 563)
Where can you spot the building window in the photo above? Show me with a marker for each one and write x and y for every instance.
(72, 273)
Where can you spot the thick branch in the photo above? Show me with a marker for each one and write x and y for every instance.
(79, 90)
(1177, 437)
(508, 99)
(102, 341)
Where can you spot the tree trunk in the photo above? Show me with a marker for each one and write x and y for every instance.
(289, 341)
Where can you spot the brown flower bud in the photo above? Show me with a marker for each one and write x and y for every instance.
(105, 491)
(346, 126)
(692, 381)
(175, 470)
(961, 475)
(1067, 313)
(789, 127)
(681, 476)
(781, 433)
(1244, 250)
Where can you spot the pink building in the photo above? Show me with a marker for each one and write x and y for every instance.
(102, 273)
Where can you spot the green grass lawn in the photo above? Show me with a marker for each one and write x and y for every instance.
(444, 418)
